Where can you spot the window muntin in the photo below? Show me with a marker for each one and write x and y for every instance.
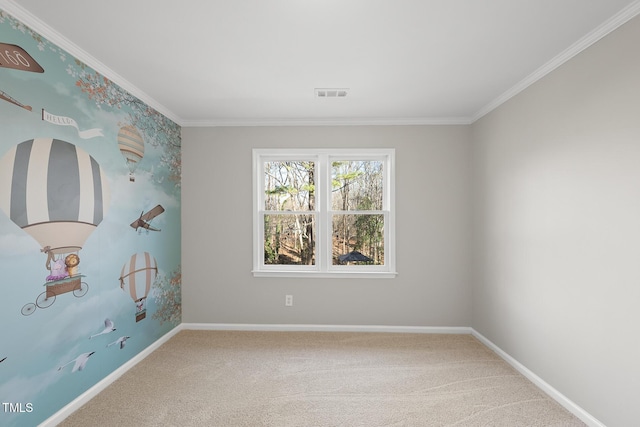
(323, 212)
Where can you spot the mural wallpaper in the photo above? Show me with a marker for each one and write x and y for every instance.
(89, 226)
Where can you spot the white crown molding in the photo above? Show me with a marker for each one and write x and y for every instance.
(601, 31)
(53, 36)
(331, 122)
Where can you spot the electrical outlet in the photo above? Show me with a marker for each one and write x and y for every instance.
(288, 300)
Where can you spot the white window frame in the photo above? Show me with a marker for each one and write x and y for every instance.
(324, 267)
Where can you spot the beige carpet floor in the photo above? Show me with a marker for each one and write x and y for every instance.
(308, 379)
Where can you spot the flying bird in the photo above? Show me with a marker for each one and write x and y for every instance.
(108, 327)
(80, 362)
(121, 341)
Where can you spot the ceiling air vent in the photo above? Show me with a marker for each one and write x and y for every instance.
(331, 93)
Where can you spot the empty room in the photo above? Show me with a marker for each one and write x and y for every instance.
(320, 213)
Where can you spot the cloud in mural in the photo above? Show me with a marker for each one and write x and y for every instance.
(12, 245)
(127, 205)
(148, 194)
(78, 321)
(23, 389)
(61, 89)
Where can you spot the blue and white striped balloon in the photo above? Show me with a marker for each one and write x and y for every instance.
(54, 191)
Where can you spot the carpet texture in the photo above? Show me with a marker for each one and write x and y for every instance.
(308, 379)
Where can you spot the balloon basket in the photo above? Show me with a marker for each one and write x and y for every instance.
(141, 315)
(54, 288)
(58, 287)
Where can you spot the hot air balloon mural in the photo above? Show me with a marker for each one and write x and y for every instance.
(58, 194)
(136, 278)
(131, 146)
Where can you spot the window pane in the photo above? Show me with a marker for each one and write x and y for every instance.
(358, 239)
(357, 185)
(289, 239)
(289, 186)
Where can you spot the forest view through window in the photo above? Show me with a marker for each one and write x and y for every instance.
(323, 211)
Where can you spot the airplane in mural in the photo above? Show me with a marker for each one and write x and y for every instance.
(53, 208)
(145, 219)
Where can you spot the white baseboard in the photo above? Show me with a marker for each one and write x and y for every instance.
(569, 405)
(327, 328)
(74, 405)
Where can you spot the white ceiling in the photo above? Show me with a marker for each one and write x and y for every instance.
(249, 62)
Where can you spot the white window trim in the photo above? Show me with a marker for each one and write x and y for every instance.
(323, 267)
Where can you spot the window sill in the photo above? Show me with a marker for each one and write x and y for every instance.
(324, 275)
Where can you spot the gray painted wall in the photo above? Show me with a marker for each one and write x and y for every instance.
(557, 228)
(553, 277)
(433, 236)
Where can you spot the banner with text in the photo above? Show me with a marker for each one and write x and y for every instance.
(68, 121)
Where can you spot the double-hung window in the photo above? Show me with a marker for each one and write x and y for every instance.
(323, 212)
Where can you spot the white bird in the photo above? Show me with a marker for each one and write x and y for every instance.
(81, 362)
(122, 341)
(108, 327)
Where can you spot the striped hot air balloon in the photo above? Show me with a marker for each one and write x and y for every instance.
(136, 278)
(131, 146)
(54, 191)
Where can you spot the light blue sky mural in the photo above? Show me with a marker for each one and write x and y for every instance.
(70, 112)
